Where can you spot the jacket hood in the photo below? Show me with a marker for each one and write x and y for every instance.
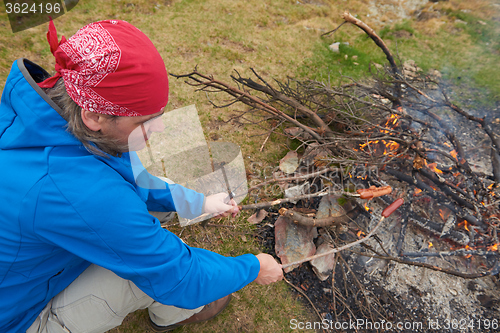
(28, 117)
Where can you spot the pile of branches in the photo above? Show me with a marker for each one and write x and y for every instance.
(394, 120)
(400, 121)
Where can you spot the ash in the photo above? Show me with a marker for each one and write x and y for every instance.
(371, 292)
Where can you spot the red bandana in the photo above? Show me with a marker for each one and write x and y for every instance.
(110, 67)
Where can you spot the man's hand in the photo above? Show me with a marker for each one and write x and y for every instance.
(221, 205)
(270, 270)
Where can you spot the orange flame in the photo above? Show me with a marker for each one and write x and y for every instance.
(430, 245)
(360, 233)
(417, 191)
(392, 145)
(393, 119)
(465, 225)
(376, 146)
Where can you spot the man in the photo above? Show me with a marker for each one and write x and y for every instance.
(78, 248)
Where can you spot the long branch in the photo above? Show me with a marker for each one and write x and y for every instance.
(245, 98)
(371, 33)
(287, 100)
(288, 179)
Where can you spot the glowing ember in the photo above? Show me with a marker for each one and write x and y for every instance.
(360, 233)
(417, 191)
(444, 213)
(430, 245)
(454, 154)
(433, 167)
(493, 247)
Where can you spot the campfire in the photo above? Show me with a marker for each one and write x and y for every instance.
(396, 140)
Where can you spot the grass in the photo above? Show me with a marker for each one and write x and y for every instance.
(279, 38)
(460, 40)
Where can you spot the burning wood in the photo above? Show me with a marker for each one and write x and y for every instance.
(398, 124)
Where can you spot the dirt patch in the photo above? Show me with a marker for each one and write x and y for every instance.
(402, 34)
(186, 53)
(426, 15)
(390, 11)
(236, 46)
(313, 2)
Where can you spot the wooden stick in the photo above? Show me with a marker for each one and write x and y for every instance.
(492, 271)
(297, 198)
(284, 200)
(307, 221)
(304, 294)
(287, 179)
(371, 33)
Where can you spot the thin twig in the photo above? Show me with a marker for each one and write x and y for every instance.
(289, 179)
(491, 271)
(304, 294)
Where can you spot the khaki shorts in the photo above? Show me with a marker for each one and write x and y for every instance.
(97, 301)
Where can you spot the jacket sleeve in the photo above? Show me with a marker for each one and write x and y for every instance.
(161, 196)
(107, 223)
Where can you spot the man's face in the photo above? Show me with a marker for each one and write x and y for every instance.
(133, 131)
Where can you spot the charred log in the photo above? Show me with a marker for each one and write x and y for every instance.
(440, 198)
(437, 230)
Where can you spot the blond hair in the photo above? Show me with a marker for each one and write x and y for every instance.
(95, 142)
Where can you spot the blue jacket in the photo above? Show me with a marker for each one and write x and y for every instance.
(62, 208)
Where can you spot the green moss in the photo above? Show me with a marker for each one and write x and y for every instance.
(328, 66)
(389, 32)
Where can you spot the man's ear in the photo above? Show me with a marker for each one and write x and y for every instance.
(92, 120)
